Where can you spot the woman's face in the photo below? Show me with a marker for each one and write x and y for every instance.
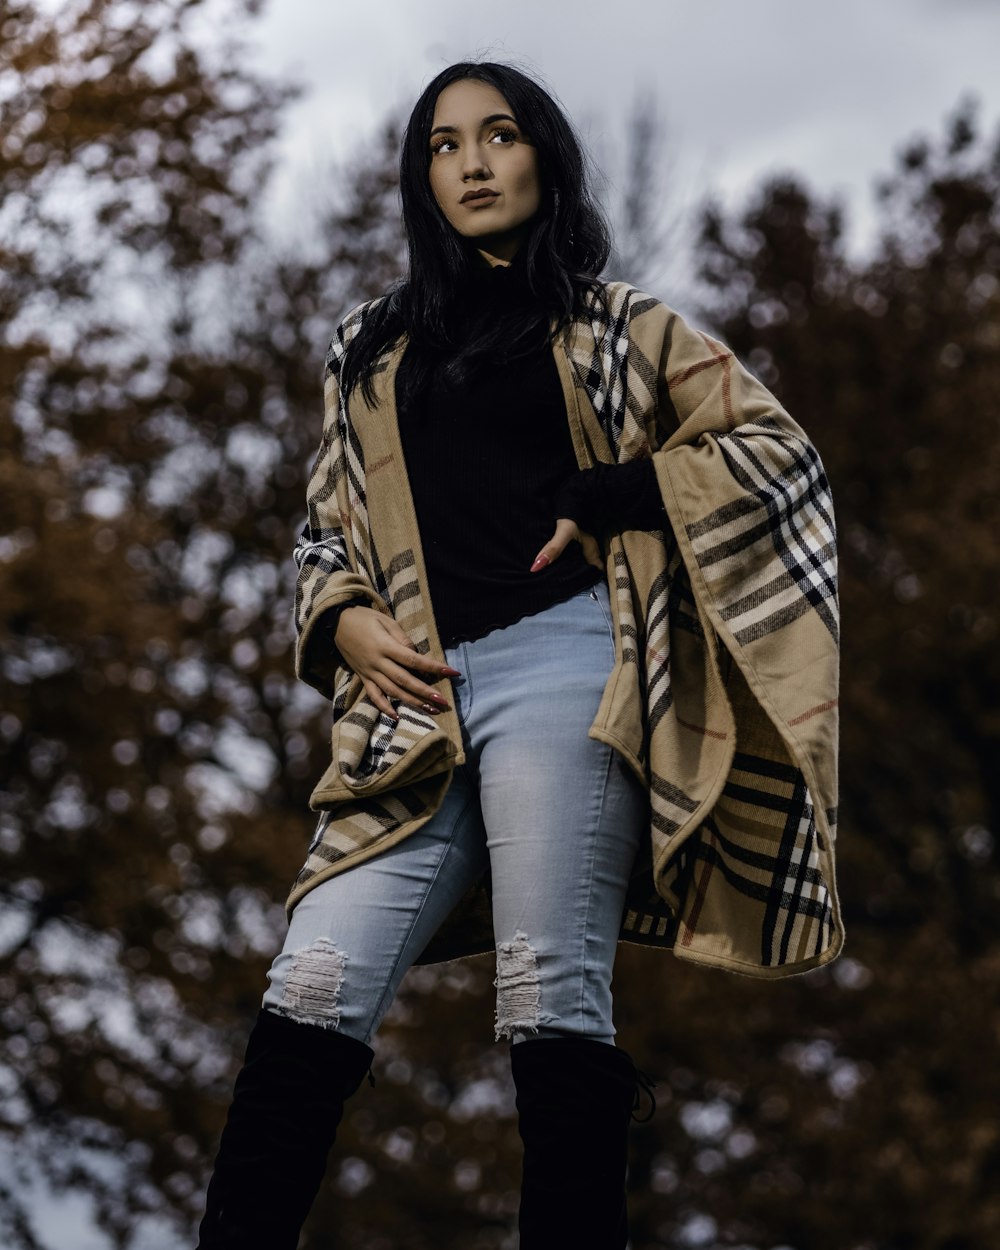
(476, 146)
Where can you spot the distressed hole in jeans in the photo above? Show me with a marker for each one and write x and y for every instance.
(311, 994)
(517, 987)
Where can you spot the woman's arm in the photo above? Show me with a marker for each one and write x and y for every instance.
(744, 487)
(374, 645)
(327, 576)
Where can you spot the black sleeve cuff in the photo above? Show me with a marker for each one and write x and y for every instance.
(613, 497)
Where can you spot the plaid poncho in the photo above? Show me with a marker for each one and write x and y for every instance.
(723, 697)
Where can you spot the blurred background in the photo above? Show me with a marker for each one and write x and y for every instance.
(191, 195)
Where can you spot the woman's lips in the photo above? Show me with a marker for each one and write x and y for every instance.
(478, 200)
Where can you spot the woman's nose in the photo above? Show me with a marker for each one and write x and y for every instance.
(475, 164)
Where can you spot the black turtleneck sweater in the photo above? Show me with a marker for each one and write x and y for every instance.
(491, 466)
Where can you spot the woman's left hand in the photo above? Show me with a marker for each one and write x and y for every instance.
(566, 531)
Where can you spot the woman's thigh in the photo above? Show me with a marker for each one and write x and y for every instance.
(352, 938)
(563, 813)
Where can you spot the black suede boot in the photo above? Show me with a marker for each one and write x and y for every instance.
(575, 1097)
(287, 1103)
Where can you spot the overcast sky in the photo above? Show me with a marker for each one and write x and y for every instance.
(745, 89)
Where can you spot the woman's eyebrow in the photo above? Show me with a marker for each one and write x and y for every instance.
(493, 117)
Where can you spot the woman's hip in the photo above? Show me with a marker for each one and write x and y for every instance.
(546, 672)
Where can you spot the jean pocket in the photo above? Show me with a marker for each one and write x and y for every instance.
(598, 597)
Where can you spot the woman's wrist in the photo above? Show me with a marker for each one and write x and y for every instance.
(330, 619)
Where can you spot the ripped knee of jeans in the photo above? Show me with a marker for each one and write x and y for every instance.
(311, 993)
(517, 987)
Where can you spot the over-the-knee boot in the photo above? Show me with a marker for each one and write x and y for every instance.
(575, 1097)
(287, 1103)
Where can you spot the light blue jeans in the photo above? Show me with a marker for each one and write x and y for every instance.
(555, 815)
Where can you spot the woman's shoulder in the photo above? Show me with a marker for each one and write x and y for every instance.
(649, 324)
(623, 296)
(349, 326)
(619, 304)
(352, 321)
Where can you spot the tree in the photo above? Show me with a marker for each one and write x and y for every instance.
(644, 200)
(152, 454)
(856, 1096)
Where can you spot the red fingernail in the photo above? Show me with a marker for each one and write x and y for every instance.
(540, 563)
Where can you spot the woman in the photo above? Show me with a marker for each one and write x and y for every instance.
(520, 759)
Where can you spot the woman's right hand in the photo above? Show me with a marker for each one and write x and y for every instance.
(379, 650)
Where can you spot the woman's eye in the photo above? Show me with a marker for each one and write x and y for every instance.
(504, 133)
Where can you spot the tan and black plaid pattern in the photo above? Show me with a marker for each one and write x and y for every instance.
(786, 510)
(723, 697)
(748, 859)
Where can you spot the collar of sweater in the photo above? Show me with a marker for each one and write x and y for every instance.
(502, 286)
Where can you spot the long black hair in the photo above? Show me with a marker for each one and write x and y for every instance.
(559, 261)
